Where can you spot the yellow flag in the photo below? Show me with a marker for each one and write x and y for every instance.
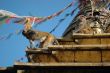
(27, 25)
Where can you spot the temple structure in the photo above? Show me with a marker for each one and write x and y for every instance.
(84, 47)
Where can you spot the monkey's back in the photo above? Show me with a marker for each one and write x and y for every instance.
(38, 35)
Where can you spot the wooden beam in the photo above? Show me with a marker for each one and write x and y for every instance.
(20, 65)
(37, 51)
(80, 35)
(80, 47)
(2, 68)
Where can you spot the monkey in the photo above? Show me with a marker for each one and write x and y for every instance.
(45, 38)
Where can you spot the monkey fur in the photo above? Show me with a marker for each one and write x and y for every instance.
(45, 38)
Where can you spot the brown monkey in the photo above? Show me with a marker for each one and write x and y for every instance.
(45, 38)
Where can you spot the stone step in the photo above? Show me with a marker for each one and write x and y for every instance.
(7, 70)
(2, 68)
(80, 47)
(81, 36)
(70, 53)
(83, 39)
(69, 47)
(21, 65)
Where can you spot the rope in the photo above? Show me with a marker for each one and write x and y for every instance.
(61, 20)
(33, 21)
(55, 27)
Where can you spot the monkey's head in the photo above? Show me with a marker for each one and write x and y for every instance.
(28, 34)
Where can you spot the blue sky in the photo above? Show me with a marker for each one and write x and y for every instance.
(14, 48)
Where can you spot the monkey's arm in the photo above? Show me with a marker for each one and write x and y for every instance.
(31, 44)
(43, 39)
